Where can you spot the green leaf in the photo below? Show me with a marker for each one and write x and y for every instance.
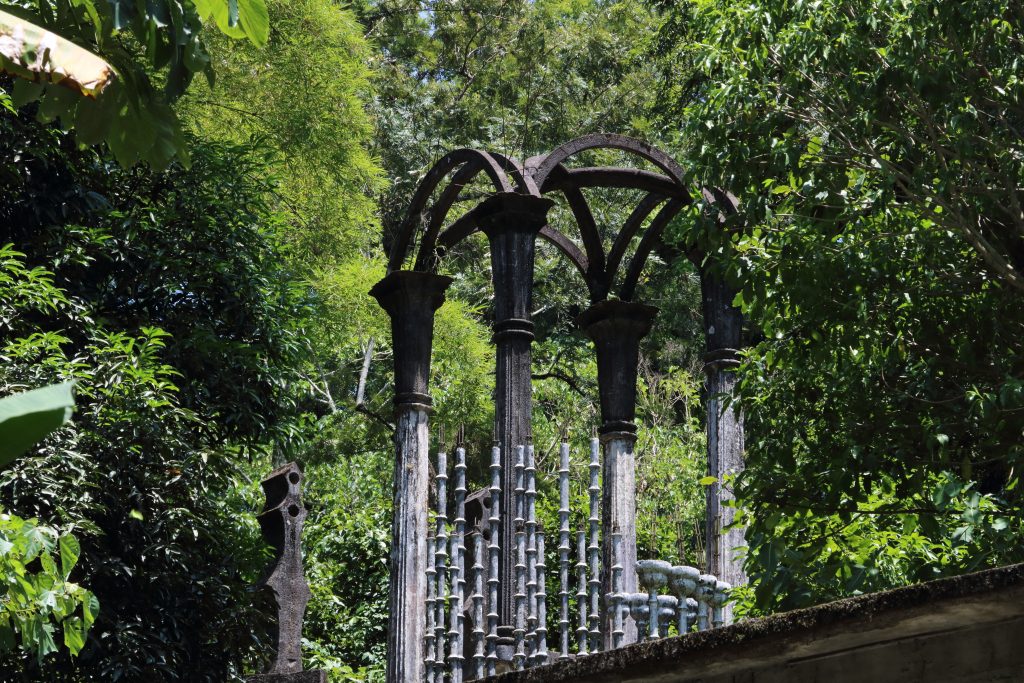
(238, 18)
(25, 91)
(56, 102)
(44, 638)
(70, 551)
(50, 569)
(74, 635)
(206, 8)
(255, 21)
(28, 417)
(708, 481)
(90, 608)
(93, 120)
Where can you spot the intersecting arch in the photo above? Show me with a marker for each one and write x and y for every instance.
(666, 194)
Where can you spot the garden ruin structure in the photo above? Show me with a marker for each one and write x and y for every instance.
(512, 218)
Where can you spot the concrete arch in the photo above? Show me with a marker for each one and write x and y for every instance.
(476, 160)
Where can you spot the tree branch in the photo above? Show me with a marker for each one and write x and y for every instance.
(565, 378)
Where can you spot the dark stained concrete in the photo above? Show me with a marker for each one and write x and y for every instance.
(300, 677)
(967, 629)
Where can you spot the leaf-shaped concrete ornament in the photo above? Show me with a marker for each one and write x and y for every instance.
(28, 417)
(32, 52)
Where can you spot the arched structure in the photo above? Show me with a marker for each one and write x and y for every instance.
(667, 192)
(512, 217)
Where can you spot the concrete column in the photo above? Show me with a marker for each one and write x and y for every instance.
(616, 328)
(511, 222)
(724, 331)
(410, 298)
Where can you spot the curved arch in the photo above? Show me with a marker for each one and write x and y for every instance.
(544, 174)
(605, 141)
(433, 178)
(588, 233)
(466, 226)
(647, 243)
(515, 169)
(462, 228)
(610, 176)
(525, 183)
(426, 258)
(569, 248)
(629, 229)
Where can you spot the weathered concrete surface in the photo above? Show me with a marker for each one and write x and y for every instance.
(302, 677)
(967, 629)
(410, 298)
(724, 334)
(511, 222)
(281, 523)
(619, 508)
(616, 328)
(407, 561)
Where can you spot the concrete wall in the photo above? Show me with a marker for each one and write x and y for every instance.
(968, 629)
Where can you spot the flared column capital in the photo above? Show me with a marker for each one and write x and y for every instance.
(410, 299)
(512, 212)
(616, 328)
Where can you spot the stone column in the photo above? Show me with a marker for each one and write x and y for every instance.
(511, 222)
(410, 298)
(616, 328)
(724, 332)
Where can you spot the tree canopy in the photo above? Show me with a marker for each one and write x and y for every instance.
(196, 255)
(873, 147)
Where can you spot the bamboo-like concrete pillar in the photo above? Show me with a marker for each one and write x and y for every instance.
(724, 333)
(410, 298)
(616, 328)
(511, 222)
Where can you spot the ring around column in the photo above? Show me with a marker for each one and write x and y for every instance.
(616, 328)
(410, 299)
(511, 223)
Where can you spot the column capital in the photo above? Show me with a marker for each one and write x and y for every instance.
(511, 222)
(401, 290)
(507, 211)
(410, 299)
(612, 319)
(616, 328)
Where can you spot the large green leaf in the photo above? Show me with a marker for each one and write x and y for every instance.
(70, 551)
(28, 417)
(32, 52)
(238, 18)
(255, 21)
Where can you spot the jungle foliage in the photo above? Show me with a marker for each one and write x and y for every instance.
(40, 596)
(155, 49)
(216, 321)
(175, 315)
(877, 150)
